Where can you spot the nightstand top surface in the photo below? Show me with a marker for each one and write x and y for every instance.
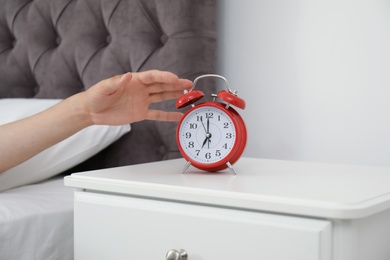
(287, 187)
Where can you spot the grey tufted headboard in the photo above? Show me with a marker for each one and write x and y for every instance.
(56, 48)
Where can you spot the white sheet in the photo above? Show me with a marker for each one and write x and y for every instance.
(36, 222)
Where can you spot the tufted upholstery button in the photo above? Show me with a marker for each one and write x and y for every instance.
(108, 39)
(164, 38)
(58, 40)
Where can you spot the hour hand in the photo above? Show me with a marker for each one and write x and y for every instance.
(208, 136)
(205, 141)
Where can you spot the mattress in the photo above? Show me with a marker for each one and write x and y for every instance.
(36, 221)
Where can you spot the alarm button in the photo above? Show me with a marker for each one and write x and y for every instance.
(231, 99)
(189, 98)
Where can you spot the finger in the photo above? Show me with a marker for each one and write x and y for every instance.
(158, 97)
(185, 84)
(160, 115)
(156, 76)
(181, 85)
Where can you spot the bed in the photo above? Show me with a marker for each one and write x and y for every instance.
(52, 49)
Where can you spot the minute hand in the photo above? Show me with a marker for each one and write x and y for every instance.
(208, 133)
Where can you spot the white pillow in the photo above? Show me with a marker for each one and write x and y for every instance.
(59, 157)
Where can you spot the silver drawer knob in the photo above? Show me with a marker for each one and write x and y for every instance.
(177, 255)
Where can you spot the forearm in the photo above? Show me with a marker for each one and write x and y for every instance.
(25, 138)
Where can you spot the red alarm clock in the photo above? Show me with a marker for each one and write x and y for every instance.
(211, 135)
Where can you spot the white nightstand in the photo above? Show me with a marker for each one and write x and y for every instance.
(270, 210)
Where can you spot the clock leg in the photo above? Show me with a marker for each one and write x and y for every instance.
(186, 167)
(229, 165)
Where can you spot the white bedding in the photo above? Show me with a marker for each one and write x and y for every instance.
(36, 222)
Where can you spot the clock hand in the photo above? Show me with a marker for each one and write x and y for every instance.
(201, 120)
(204, 142)
(208, 136)
(208, 133)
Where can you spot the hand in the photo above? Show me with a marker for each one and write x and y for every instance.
(115, 101)
(201, 120)
(204, 142)
(125, 99)
(207, 139)
(208, 135)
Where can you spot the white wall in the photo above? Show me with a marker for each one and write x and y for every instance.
(315, 76)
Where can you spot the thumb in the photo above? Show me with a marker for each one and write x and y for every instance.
(126, 77)
(113, 84)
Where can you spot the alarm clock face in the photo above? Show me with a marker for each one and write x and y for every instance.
(207, 134)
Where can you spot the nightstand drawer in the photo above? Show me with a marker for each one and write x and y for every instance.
(117, 227)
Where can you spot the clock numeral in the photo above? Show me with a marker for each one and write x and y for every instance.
(225, 146)
(191, 144)
(207, 155)
(199, 118)
(209, 115)
(197, 152)
(188, 135)
(193, 126)
(218, 153)
(229, 135)
(226, 125)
